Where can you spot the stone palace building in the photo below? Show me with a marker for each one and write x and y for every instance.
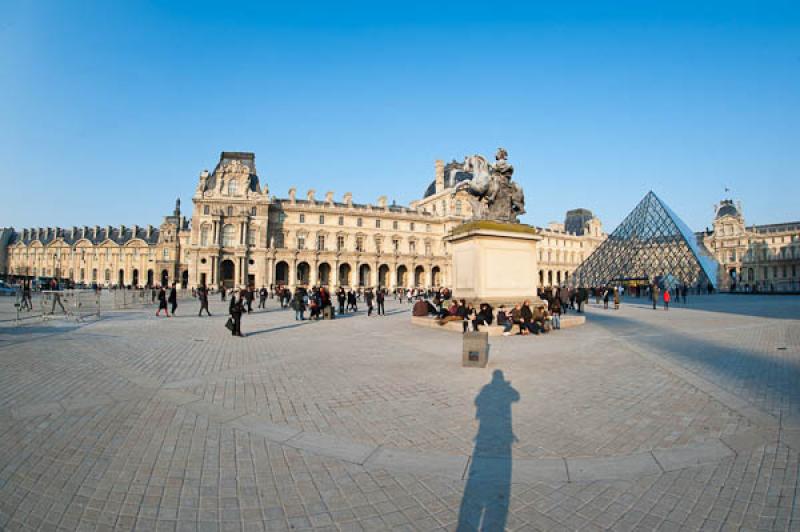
(239, 234)
(755, 257)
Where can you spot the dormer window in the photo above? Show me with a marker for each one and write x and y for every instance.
(232, 187)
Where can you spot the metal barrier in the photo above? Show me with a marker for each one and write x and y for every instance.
(72, 304)
(79, 304)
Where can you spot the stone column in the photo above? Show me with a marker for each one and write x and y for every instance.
(293, 274)
(335, 274)
(313, 275)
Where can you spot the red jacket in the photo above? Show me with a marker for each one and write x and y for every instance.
(666, 296)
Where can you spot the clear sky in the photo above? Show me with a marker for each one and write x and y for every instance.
(110, 109)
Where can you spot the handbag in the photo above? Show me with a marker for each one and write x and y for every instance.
(229, 324)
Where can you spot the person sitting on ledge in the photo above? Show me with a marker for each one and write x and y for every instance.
(504, 320)
(420, 309)
(537, 323)
(526, 319)
(485, 315)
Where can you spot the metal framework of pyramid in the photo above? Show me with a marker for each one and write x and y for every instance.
(651, 244)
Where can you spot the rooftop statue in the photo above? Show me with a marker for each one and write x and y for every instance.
(493, 195)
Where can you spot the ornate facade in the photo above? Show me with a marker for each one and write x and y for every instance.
(765, 258)
(239, 234)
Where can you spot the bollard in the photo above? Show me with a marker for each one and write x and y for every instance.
(475, 353)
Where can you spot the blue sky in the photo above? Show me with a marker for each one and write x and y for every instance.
(109, 110)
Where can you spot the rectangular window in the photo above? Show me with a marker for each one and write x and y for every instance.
(166, 254)
(321, 219)
(395, 225)
(411, 226)
(396, 245)
(360, 244)
(302, 218)
(427, 228)
(339, 243)
(279, 240)
(377, 224)
(301, 242)
(341, 220)
(359, 222)
(378, 245)
(412, 247)
(252, 211)
(251, 236)
(205, 209)
(427, 248)
(320, 243)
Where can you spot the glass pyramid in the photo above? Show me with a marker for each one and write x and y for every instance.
(650, 245)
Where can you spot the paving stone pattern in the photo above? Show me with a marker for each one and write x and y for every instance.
(638, 420)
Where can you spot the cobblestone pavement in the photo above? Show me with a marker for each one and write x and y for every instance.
(640, 419)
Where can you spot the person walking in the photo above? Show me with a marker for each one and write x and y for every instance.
(341, 297)
(173, 297)
(262, 297)
(202, 295)
(654, 295)
(26, 302)
(162, 302)
(605, 298)
(666, 299)
(381, 298)
(616, 298)
(368, 296)
(222, 293)
(299, 305)
(235, 309)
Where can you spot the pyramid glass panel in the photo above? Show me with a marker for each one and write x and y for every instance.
(650, 245)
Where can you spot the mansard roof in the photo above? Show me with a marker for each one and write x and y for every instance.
(247, 159)
(96, 235)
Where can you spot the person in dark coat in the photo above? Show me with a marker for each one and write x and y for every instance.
(162, 301)
(368, 296)
(262, 298)
(341, 297)
(380, 297)
(235, 309)
(202, 295)
(173, 298)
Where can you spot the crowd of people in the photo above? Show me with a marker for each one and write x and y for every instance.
(523, 318)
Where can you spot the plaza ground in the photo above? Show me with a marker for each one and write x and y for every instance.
(640, 419)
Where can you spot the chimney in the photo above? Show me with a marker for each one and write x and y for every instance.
(329, 197)
(96, 231)
(382, 201)
(108, 231)
(439, 175)
(292, 194)
(149, 231)
(348, 199)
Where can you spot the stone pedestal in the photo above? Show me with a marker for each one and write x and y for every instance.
(494, 262)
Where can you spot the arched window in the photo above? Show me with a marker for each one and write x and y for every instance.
(232, 187)
(228, 235)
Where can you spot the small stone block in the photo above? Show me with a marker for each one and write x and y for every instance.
(475, 352)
